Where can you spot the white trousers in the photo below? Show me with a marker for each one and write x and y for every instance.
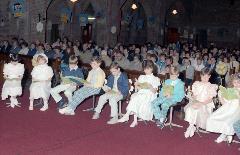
(68, 90)
(113, 102)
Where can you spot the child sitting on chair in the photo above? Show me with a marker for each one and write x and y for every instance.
(221, 121)
(171, 93)
(140, 102)
(236, 127)
(92, 86)
(71, 71)
(41, 81)
(13, 73)
(115, 90)
(201, 103)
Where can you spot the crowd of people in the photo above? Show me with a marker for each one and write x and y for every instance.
(206, 72)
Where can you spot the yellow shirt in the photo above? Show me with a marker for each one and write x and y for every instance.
(96, 77)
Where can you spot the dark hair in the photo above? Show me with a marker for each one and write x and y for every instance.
(206, 71)
(96, 59)
(14, 58)
(148, 64)
(114, 65)
(24, 44)
(73, 59)
(174, 70)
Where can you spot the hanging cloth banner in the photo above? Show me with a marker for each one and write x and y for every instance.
(151, 20)
(66, 15)
(128, 18)
(83, 19)
(139, 24)
(17, 8)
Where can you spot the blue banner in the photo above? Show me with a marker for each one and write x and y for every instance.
(66, 15)
(17, 7)
(83, 19)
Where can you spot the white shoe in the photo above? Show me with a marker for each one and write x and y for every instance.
(221, 138)
(18, 104)
(125, 118)
(187, 132)
(133, 124)
(12, 105)
(66, 111)
(113, 120)
(229, 139)
(96, 115)
(30, 108)
(192, 131)
(44, 108)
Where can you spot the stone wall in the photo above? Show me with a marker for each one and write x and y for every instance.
(222, 23)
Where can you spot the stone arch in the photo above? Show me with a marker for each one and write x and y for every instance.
(130, 33)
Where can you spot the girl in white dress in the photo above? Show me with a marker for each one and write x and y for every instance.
(13, 73)
(222, 120)
(201, 103)
(41, 81)
(140, 102)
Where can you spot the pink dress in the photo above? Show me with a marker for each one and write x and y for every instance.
(198, 115)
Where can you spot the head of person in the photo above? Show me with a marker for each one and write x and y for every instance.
(57, 49)
(41, 59)
(162, 57)
(47, 47)
(73, 61)
(205, 57)
(96, 62)
(33, 46)
(40, 47)
(148, 67)
(24, 45)
(234, 81)
(115, 69)
(136, 58)
(15, 43)
(103, 53)
(169, 61)
(14, 59)
(213, 60)
(226, 60)
(153, 58)
(199, 61)
(174, 72)
(137, 51)
(205, 74)
(119, 55)
(187, 62)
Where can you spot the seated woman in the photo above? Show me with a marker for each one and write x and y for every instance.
(201, 104)
(221, 121)
(140, 102)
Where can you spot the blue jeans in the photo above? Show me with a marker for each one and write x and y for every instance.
(165, 103)
(236, 127)
(81, 94)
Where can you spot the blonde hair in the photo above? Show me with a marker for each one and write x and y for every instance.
(41, 57)
(234, 77)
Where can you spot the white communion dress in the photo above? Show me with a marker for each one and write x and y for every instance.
(41, 87)
(12, 86)
(222, 120)
(140, 102)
